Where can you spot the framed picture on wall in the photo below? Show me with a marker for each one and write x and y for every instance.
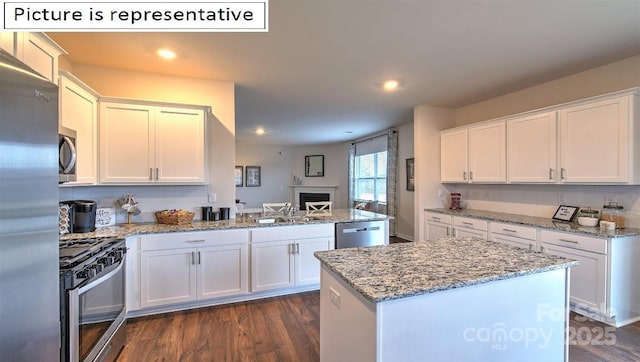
(411, 171)
(238, 176)
(252, 176)
(314, 166)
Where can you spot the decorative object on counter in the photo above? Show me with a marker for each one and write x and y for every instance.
(238, 176)
(175, 217)
(456, 202)
(607, 225)
(566, 213)
(314, 166)
(239, 207)
(411, 171)
(614, 213)
(224, 213)
(588, 217)
(206, 213)
(105, 216)
(297, 181)
(252, 176)
(130, 205)
(65, 218)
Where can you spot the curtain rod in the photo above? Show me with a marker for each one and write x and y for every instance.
(375, 136)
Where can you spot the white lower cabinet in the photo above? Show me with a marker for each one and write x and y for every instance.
(464, 226)
(185, 267)
(588, 287)
(282, 257)
(437, 225)
(514, 235)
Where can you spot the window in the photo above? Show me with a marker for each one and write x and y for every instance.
(371, 176)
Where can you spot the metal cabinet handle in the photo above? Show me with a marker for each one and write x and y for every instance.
(435, 218)
(542, 249)
(509, 231)
(467, 223)
(195, 241)
(530, 246)
(193, 258)
(563, 174)
(464, 175)
(199, 260)
(447, 231)
(470, 175)
(157, 173)
(297, 248)
(569, 241)
(150, 174)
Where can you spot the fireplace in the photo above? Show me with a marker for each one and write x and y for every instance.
(312, 197)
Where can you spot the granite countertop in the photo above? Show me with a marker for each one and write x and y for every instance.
(540, 222)
(389, 272)
(246, 221)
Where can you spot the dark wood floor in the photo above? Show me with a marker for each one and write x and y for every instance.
(288, 329)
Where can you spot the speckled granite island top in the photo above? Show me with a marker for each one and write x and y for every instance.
(541, 222)
(383, 273)
(247, 221)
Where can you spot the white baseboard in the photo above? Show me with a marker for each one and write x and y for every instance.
(404, 236)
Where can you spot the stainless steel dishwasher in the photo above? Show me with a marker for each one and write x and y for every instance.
(355, 234)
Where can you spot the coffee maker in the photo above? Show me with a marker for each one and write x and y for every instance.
(80, 216)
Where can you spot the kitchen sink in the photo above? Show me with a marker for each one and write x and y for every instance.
(284, 219)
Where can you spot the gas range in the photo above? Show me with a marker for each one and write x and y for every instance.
(86, 258)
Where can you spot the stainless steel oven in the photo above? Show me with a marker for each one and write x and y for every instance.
(92, 299)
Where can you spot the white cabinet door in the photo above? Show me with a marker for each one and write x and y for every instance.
(453, 156)
(588, 284)
(272, 265)
(126, 152)
(307, 266)
(7, 39)
(222, 271)
(594, 141)
(39, 52)
(488, 153)
(437, 231)
(78, 107)
(532, 148)
(167, 276)
(179, 145)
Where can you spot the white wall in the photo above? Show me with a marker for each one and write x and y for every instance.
(540, 200)
(280, 163)
(221, 136)
(405, 203)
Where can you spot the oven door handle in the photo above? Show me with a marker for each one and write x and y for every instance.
(102, 279)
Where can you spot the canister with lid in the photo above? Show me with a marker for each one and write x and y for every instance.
(588, 217)
(614, 213)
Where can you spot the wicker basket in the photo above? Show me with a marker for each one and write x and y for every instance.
(174, 218)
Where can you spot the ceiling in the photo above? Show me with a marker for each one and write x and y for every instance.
(316, 76)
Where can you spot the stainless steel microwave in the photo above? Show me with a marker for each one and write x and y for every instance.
(68, 155)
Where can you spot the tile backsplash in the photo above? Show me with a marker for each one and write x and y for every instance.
(543, 200)
(150, 198)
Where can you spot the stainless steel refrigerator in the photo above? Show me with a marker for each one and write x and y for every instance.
(29, 276)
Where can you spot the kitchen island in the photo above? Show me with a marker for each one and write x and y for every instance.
(451, 299)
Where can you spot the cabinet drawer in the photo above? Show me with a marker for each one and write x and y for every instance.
(292, 232)
(517, 231)
(437, 218)
(469, 223)
(586, 243)
(194, 239)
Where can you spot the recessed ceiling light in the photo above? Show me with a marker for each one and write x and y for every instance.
(260, 131)
(391, 85)
(165, 53)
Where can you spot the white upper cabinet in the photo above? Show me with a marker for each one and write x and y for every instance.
(7, 41)
(145, 143)
(453, 155)
(532, 148)
(78, 107)
(592, 141)
(595, 141)
(36, 50)
(475, 154)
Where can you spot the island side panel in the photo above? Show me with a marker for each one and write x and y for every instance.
(347, 325)
(518, 319)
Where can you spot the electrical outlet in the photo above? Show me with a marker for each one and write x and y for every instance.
(334, 297)
(212, 197)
